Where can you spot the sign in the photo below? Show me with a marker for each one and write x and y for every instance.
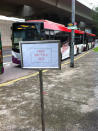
(70, 24)
(40, 54)
(73, 27)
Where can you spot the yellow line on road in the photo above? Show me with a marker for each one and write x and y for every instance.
(77, 58)
(82, 55)
(18, 79)
(35, 74)
(6, 56)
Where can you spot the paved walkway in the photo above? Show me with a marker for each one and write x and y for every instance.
(70, 96)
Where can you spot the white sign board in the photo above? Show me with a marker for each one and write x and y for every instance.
(40, 54)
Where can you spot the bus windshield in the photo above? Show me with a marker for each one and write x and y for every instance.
(26, 32)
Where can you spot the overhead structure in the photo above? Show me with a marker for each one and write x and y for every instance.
(43, 8)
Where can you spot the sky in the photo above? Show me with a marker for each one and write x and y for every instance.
(89, 3)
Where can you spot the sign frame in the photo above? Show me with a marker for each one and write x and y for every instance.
(41, 42)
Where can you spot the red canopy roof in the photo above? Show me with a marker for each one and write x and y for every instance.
(52, 25)
(93, 35)
(55, 26)
(90, 34)
(79, 32)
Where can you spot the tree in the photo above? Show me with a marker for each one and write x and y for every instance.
(95, 19)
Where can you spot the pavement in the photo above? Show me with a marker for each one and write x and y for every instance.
(70, 97)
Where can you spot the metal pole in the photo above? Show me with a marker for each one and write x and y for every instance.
(83, 38)
(72, 36)
(42, 101)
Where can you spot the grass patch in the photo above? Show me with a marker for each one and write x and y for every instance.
(96, 49)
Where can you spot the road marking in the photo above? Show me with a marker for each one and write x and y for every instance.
(6, 56)
(82, 55)
(35, 74)
(18, 79)
(76, 58)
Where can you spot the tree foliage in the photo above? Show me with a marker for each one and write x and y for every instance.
(95, 15)
(95, 19)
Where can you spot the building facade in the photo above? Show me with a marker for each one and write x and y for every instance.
(5, 29)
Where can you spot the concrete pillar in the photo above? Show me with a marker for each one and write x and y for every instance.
(26, 11)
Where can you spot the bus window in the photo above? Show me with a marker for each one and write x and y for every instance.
(1, 58)
(26, 31)
(19, 36)
(52, 37)
(23, 31)
(31, 35)
(43, 35)
(47, 34)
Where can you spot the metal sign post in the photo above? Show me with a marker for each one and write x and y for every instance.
(42, 101)
(41, 55)
(72, 36)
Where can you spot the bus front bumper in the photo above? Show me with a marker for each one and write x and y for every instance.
(15, 60)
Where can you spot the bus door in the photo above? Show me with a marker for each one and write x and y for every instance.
(79, 41)
(86, 42)
(93, 41)
(1, 57)
(89, 41)
(65, 48)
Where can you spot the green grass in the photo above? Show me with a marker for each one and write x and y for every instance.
(96, 49)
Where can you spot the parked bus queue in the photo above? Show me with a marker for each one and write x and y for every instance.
(35, 30)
